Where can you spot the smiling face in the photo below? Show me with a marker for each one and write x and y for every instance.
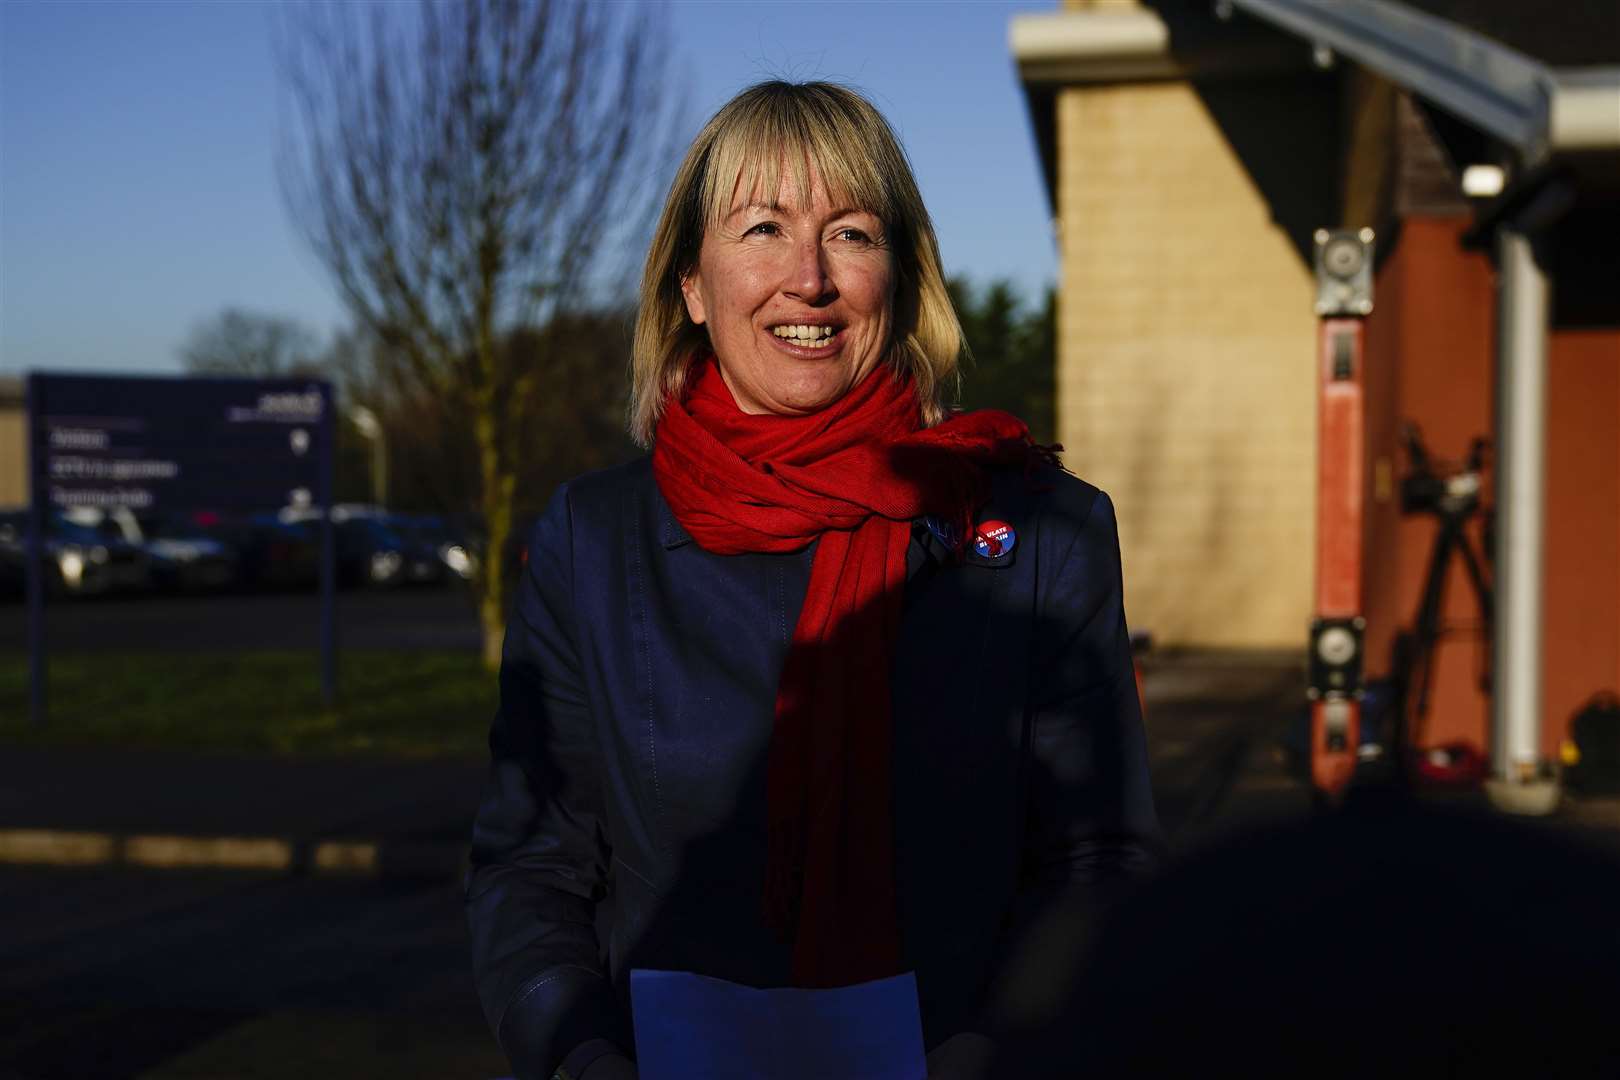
(797, 295)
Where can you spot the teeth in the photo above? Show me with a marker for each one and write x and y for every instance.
(804, 333)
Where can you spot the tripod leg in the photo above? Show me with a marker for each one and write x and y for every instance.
(1427, 631)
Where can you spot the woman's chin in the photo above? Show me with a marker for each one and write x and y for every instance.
(791, 387)
(803, 401)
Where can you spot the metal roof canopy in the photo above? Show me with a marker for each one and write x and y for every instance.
(1535, 109)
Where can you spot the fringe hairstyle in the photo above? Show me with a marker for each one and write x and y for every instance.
(744, 147)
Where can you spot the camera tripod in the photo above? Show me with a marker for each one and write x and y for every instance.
(1453, 496)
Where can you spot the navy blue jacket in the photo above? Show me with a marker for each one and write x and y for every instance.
(624, 820)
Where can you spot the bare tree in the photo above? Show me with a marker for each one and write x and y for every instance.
(466, 173)
(237, 342)
(432, 457)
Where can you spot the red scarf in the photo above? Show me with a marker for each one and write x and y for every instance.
(855, 475)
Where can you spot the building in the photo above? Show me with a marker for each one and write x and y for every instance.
(13, 443)
(1191, 149)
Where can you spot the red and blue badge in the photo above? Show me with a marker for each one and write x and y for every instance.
(993, 539)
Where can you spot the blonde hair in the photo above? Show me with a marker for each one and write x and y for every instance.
(847, 142)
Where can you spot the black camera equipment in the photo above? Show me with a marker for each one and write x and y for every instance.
(1453, 495)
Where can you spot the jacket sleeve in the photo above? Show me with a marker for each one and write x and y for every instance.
(540, 853)
(1089, 820)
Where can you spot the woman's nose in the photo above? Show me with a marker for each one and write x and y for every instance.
(807, 277)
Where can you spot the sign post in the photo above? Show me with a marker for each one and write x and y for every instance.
(34, 573)
(323, 481)
(153, 444)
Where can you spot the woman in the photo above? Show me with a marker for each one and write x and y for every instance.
(833, 685)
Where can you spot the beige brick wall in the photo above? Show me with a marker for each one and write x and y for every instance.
(1185, 382)
(13, 456)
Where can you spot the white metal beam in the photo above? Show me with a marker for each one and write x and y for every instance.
(1585, 112)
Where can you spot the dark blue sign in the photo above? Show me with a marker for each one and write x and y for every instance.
(153, 443)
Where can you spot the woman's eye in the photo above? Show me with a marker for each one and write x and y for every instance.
(764, 228)
(854, 235)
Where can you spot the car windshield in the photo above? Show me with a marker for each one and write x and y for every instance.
(371, 531)
(64, 529)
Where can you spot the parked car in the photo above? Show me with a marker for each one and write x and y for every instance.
(185, 557)
(378, 548)
(81, 560)
(371, 552)
(273, 553)
(12, 526)
(435, 534)
(117, 523)
(180, 555)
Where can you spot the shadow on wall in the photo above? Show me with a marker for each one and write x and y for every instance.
(1285, 132)
(1283, 126)
(1583, 269)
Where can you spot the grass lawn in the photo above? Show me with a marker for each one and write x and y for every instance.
(411, 704)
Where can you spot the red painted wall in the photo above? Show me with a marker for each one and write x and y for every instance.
(1583, 523)
(1431, 358)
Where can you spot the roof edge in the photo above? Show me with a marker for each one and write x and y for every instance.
(1533, 108)
(1052, 50)
(1091, 46)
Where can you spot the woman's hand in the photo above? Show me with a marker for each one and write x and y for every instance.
(961, 1057)
(610, 1067)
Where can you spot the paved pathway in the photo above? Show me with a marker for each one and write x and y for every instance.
(415, 618)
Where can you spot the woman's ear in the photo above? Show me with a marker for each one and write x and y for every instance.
(692, 292)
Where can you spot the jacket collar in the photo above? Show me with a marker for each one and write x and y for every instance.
(670, 532)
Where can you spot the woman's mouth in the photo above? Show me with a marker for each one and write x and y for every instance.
(808, 339)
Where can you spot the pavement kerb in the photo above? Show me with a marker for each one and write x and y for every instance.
(347, 857)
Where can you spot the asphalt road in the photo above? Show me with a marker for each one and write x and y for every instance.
(408, 618)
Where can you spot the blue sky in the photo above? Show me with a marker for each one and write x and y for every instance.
(138, 195)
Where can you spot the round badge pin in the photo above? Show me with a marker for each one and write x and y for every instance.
(993, 539)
